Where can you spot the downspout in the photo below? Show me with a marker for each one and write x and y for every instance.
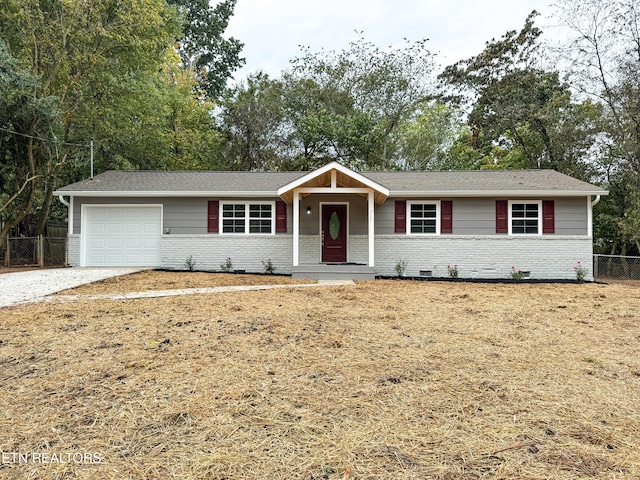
(594, 258)
(69, 214)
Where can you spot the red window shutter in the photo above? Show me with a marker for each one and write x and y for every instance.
(446, 216)
(212, 216)
(281, 217)
(502, 216)
(401, 216)
(548, 217)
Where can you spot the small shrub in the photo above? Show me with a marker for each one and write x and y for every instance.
(453, 271)
(269, 267)
(190, 263)
(227, 266)
(401, 267)
(581, 272)
(516, 274)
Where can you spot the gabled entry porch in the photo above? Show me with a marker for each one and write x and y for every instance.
(333, 223)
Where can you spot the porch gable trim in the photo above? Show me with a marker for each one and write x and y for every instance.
(286, 192)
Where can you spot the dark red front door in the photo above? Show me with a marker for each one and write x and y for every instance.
(334, 233)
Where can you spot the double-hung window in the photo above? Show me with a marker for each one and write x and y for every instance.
(248, 217)
(424, 217)
(525, 217)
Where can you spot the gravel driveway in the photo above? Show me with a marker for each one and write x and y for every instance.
(20, 287)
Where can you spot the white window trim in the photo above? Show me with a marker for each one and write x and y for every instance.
(423, 202)
(247, 218)
(529, 202)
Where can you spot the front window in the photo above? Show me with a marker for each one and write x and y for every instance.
(424, 217)
(253, 218)
(525, 218)
(260, 217)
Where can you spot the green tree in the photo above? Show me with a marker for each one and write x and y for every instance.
(426, 141)
(27, 158)
(604, 57)
(522, 116)
(368, 91)
(251, 121)
(348, 106)
(203, 49)
(107, 71)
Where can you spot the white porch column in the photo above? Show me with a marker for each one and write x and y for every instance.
(371, 205)
(296, 227)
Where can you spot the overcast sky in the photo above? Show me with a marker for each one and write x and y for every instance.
(273, 30)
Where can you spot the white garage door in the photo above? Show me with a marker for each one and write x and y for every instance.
(122, 236)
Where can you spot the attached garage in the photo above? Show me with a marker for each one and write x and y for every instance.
(121, 235)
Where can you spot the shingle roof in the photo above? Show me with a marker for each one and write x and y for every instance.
(481, 180)
(404, 182)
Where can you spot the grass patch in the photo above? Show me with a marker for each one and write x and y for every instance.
(384, 379)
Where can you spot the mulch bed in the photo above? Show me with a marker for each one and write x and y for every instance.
(385, 379)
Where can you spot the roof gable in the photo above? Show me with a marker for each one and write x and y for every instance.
(334, 175)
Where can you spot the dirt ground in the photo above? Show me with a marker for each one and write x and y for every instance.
(166, 280)
(381, 380)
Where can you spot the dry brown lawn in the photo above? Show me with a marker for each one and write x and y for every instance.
(166, 280)
(382, 380)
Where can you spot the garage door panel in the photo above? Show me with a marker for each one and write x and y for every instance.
(115, 228)
(123, 236)
(97, 227)
(97, 259)
(132, 228)
(97, 243)
(150, 244)
(115, 243)
(115, 259)
(133, 243)
(150, 228)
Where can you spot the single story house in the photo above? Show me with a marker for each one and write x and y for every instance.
(334, 221)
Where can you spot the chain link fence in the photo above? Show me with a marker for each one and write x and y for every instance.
(33, 251)
(616, 266)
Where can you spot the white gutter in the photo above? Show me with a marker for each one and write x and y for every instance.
(94, 193)
(495, 193)
(69, 213)
(397, 193)
(596, 201)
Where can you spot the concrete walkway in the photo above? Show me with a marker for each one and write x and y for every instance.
(37, 285)
(193, 291)
(32, 285)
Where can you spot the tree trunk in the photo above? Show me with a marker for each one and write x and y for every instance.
(625, 265)
(610, 260)
(26, 208)
(50, 184)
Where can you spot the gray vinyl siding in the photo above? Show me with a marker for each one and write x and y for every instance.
(180, 215)
(571, 216)
(357, 213)
(474, 216)
(471, 216)
(477, 216)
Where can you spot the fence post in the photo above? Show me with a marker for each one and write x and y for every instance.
(7, 255)
(40, 254)
(595, 268)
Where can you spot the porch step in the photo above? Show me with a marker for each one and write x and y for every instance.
(334, 271)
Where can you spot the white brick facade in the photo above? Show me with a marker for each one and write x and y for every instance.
(246, 251)
(73, 250)
(547, 257)
(483, 257)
